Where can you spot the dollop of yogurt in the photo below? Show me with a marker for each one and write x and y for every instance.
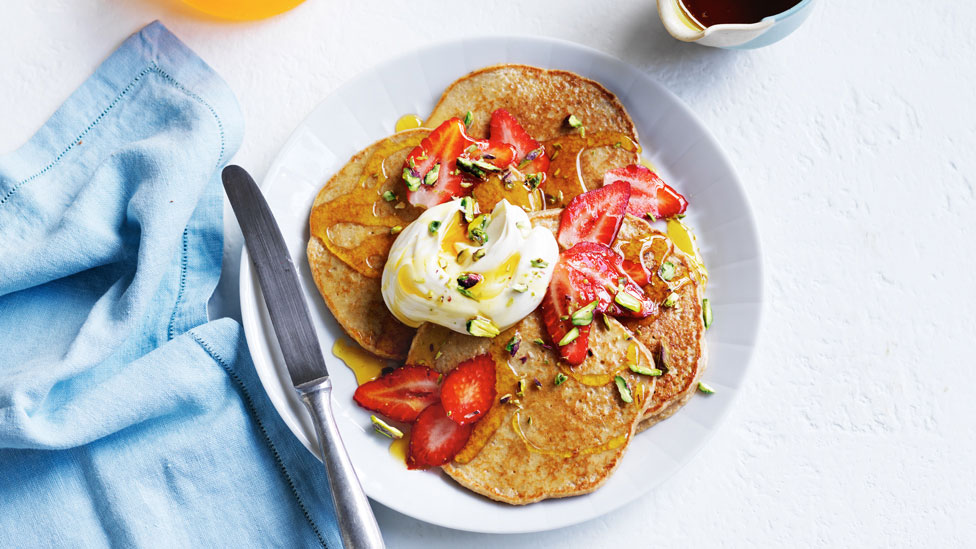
(443, 269)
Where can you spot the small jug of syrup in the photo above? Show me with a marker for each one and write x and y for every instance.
(733, 24)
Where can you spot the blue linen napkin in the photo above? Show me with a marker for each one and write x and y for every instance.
(126, 419)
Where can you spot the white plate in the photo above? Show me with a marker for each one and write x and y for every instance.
(364, 110)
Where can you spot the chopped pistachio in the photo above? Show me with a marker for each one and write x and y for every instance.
(442, 263)
(569, 337)
(477, 229)
(538, 341)
(482, 327)
(467, 208)
(671, 300)
(533, 180)
(433, 226)
(479, 253)
(505, 398)
(537, 383)
(389, 196)
(513, 344)
(574, 121)
(584, 315)
(520, 288)
(411, 178)
(623, 389)
(628, 301)
(468, 117)
(431, 176)
(540, 263)
(707, 312)
(385, 428)
(560, 378)
(466, 293)
(651, 216)
(606, 320)
(644, 370)
(438, 355)
(667, 271)
(469, 280)
(399, 206)
(396, 230)
(681, 216)
(522, 383)
(582, 131)
(705, 388)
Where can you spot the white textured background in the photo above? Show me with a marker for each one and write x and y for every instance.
(856, 139)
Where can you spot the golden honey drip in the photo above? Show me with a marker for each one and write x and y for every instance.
(365, 207)
(363, 364)
(565, 176)
(493, 190)
(399, 447)
(685, 240)
(408, 122)
(612, 444)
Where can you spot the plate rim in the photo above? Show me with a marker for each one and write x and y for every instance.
(249, 291)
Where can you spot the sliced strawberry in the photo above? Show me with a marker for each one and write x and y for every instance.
(469, 389)
(648, 194)
(435, 439)
(531, 156)
(594, 216)
(604, 268)
(401, 394)
(498, 154)
(636, 271)
(438, 151)
(569, 290)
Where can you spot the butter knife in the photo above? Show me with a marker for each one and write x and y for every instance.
(303, 356)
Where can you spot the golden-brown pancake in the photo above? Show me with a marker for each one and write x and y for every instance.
(541, 100)
(676, 335)
(551, 440)
(350, 236)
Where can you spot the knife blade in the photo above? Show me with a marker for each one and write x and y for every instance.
(301, 351)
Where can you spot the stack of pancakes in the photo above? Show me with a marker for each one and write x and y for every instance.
(547, 440)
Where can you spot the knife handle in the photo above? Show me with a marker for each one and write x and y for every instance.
(357, 525)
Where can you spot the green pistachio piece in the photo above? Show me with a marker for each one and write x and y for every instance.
(651, 217)
(707, 312)
(482, 327)
(521, 387)
(569, 337)
(396, 230)
(520, 288)
(623, 389)
(671, 300)
(667, 270)
(628, 301)
(584, 315)
(560, 378)
(389, 196)
(468, 117)
(644, 370)
(477, 229)
(705, 388)
(431, 176)
(433, 226)
(573, 121)
(412, 181)
(385, 428)
(539, 263)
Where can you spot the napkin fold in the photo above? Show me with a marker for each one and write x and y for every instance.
(126, 418)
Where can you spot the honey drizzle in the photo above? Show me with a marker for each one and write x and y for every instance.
(612, 444)
(565, 173)
(399, 447)
(365, 207)
(492, 191)
(363, 364)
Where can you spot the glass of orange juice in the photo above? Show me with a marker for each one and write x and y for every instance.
(243, 10)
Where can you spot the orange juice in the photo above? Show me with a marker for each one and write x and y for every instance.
(244, 10)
